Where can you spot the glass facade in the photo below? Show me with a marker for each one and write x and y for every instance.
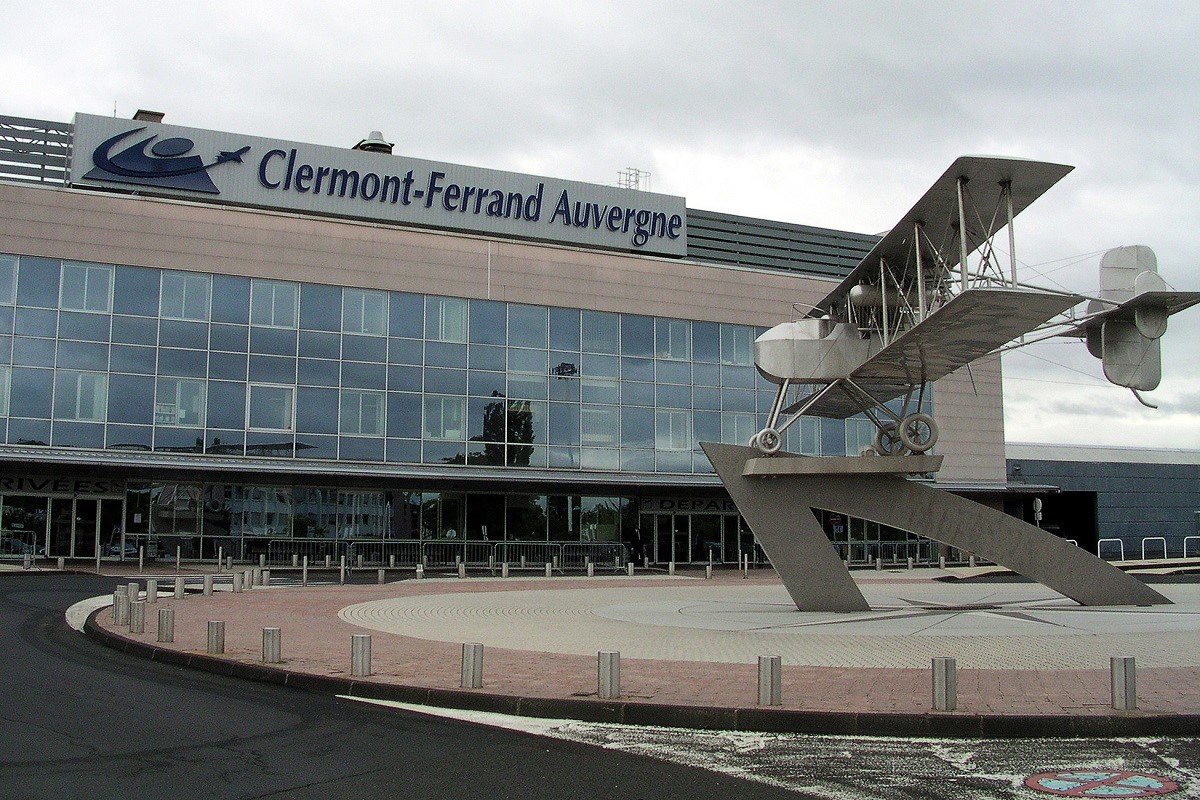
(114, 356)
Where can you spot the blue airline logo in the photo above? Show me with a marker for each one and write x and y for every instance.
(166, 165)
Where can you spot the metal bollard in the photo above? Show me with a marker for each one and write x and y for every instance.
(151, 590)
(420, 571)
(878, 563)
(248, 580)
(208, 585)
(237, 582)
(216, 637)
(392, 561)
(304, 573)
(118, 593)
(266, 577)
(134, 591)
(137, 617)
(27, 562)
(770, 680)
(328, 561)
(359, 561)
(941, 562)
(62, 563)
(220, 557)
(179, 588)
(258, 576)
(549, 569)
(360, 655)
(945, 684)
(971, 562)
(522, 562)
(608, 674)
(472, 666)
(504, 570)
(166, 624)
(379, 576)
(121, 609)
(492, 563)
(462, 570)
(272, 648)
(746, 566)
(178, 557)
(262, 560)
(1124, 682)
(708, 571)
(141, 558)
(670, 567)
(910, 563)
(229, 563)
(591, 570)
(342, 570)
(629, 569)
(295, 559)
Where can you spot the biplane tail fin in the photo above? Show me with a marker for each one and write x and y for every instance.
(1125, 337)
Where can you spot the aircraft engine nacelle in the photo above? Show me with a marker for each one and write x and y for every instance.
(810, 351)
(1126, 338)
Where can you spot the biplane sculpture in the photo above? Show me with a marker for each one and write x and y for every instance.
(932, 296)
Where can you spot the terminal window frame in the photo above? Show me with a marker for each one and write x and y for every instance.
(175, 398)
(8, 279)
(5, 389)
(185, 295)
(86, 287)
(80, 395)
(444, 417)
(362, 413)
(274, 304)
(364, 311)
(268, 403)
(445, 319)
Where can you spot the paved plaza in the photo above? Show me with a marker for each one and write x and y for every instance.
(1022, 650)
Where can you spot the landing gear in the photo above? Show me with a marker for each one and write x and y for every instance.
(918, 432)
(767, 441)
(887, 440)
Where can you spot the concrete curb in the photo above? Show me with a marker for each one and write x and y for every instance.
(757, 719)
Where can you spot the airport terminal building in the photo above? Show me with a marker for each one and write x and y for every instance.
(216, 341)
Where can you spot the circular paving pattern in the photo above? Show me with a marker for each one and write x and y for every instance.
(1007, 626)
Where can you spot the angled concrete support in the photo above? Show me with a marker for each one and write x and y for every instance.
(776, 496)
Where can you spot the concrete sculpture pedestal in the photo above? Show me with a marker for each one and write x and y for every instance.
(776, 496)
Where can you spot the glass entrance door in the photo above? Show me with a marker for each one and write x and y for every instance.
(74, 530)
(62, 526)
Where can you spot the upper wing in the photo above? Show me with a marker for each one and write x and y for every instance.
(969, 326)
(937, 212)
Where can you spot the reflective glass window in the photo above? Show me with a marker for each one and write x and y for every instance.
(534, 361)
(317, 344)
(273, 341)
(227, 366)
(316, 410)
(673, 430)
(178, 333)
(528, 326)
(487, 384)
(86, 287)
(364, 348)
(601, 366)
(673, 339)
(670, 396)
(598, 458)
(364, 311)
(737, 344)
(446, 381)
(486, 419)
(601, 332)
(365, 376)
(271, 369)
(565, 388)
(637, 427)
(407, 315)
(273, 303)
(706, 341)
(184, 363)
(637, 335)
(406, 351)
(318, 372)
(132, 399)
(564, 423)
(80, 395)
(233, 338)
(406, 451)
(405, 379)
(564, 329)
(445, 354)
(320, 307)
(706, 374)
(637, 394)
(404, 416)
(37, 281)
(30, 352)
(487, 322)
(674, 372)
(232, 295)
(8, 278)
(84, 327)
(36, 322)
(600, 425)
(227, 404)
(78, 434)
(528, 386)
(738, 428)
(446, 319)
(601, 390)
(270, 407)
(29, 431)
(737, 400)
(637, 369)
(83, 355)
(5, 384)
(185, 295)
(128, 437)
(486, 357)
(637, 460)
(361, 448)
(706, 425)
(179, 401)
(362, 413)
(127, 358)
(444, 417)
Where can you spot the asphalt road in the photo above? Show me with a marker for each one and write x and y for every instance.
(78, 720)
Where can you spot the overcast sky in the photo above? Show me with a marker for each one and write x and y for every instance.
(831, 114)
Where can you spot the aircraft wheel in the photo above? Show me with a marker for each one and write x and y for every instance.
(767, 441)
(887, 440)
(918, 432)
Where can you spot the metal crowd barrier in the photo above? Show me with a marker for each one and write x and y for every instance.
(447, 553)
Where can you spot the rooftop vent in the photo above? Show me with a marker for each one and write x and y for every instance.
(375, 143)
(143, 115)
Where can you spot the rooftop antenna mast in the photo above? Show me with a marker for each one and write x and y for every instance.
(634, 178)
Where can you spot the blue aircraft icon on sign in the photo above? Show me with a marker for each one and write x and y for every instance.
(166, 164)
